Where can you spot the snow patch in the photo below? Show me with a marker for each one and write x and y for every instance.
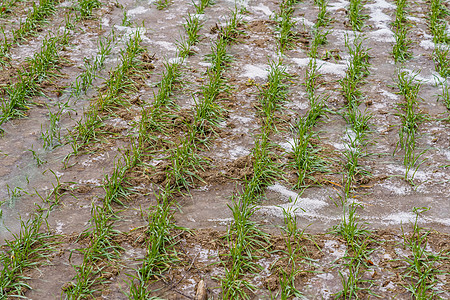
(137, 11)
(166, 45)
(324, 66)
(264, 9)
(400, 218)
(252, 71)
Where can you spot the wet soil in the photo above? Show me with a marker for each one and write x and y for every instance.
(386, 199)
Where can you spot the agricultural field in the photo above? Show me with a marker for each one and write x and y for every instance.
(221, 149)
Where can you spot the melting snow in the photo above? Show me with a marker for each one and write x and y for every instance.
(261, 7)
(253, 72)
(300, 206)
(324, 66)
(166, 45)
(137, 11)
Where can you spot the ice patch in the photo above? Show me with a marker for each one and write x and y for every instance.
(324, 66)
(252, 71)
(381, 21)
(288, 194)
(91, 159)
(326, 276)
(105, 21)
(59, 227)
(302, 20)
(383, 35)
(380, 4)
(130, 32)
(305, 207)
(337, 250)
(261, 7)
(288, 146)
(205, 64)
(166, 45)
(419, 175)
(137, 11)
(395, 188)
(238, 151)
(66, 4)
(342, 4)
(432, 79)
(400, 218)
(91, 181)
(390, 95)
(224, 221)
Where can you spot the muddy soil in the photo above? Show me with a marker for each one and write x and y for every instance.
(387, 199)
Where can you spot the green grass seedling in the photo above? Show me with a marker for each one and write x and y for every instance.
(26, 250)
(437, 21)
(201, 5)
(423, 265)
(160, 245)
(161, 4)
(411, 118)
(85, 7)
(441, 60)
(356, 15)
(192, 27)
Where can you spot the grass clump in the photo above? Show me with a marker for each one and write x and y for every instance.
(401, 26)
(423, 265)
(161, 238)
(274, 93)
(437, 23)
(33, 21)
(41, 67)
(93, 65)
(26, 250)
(161, 4)
(85, 7)
(285, 28)
(356, 15)
(201, 5)
(410, 121)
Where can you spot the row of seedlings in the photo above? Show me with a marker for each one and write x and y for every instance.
(208, 113)
(184, 159)
(26, 250)
(122, 80)
(355, 234)
(246, 241)
(244, 237)
(422, 267)
(400, 49)
(156, 117)
(438, 27)
(307, 160)
(33, 243)
(103, 250)
(33, 21)
(411, 117)
(285, 25)
(160, 240)
(356, 15)
(41, 67)
(51, 136)
(408, 111)
(94, 65)
(86, 7)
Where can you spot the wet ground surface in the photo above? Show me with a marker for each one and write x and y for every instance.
(386, 198)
